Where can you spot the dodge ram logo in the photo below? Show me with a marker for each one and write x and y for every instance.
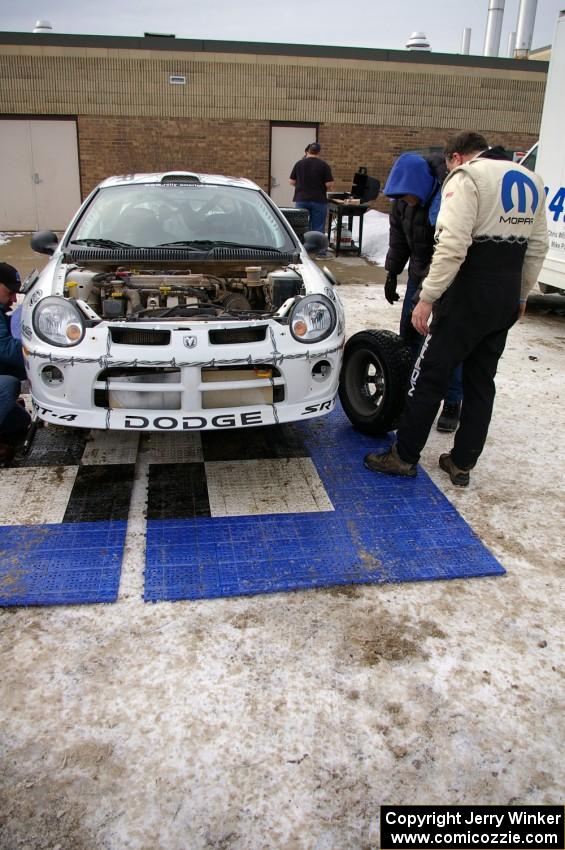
(189, 341)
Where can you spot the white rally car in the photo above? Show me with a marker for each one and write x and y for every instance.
(180, 302)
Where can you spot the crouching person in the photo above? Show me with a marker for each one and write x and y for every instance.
(14, 419)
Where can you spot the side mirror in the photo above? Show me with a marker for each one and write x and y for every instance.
(44, 242)
(315, 242)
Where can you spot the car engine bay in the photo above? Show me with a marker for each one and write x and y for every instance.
(130, 294)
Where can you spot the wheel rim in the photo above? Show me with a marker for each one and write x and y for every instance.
(366, 382)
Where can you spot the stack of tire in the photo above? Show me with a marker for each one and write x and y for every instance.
(298, 219)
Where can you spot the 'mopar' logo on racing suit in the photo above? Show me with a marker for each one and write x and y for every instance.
(516, 183)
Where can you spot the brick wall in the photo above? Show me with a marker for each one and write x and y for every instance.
(247, 87)
(130, 118)
(109, 146)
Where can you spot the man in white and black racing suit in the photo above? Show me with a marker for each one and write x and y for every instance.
(490, 244)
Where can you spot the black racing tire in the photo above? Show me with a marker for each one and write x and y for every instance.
(373, 380)
(301, 225)
(298, 219)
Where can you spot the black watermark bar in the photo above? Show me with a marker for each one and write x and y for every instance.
(472, 827)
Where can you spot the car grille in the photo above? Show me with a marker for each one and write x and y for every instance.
(139, 336)
(240, 386)
(237, 336)
(155, 388)
(138, 388)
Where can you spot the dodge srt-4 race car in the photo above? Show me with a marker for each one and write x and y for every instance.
(180, 302)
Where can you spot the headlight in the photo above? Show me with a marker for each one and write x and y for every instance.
(58, 321)
(312, 319)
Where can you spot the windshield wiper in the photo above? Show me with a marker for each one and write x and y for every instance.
(214, 243)
(101, 243)
(248, 247)
(185, 244)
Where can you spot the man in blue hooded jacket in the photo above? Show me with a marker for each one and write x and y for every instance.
(414, 184)
(14, 419)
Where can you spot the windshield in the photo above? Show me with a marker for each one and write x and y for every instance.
(148, 215)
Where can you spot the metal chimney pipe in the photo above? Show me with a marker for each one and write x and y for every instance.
(525, 28)
(494, 27)
(511, 44)
(466, 41)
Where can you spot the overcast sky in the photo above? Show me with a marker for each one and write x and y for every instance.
(365, 23)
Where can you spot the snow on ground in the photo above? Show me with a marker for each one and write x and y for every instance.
(5, 238)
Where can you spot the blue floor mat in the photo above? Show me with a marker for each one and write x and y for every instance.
(79, 559)
(60, 564)
(383, 529)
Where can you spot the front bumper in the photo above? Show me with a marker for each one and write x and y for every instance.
(186, 380)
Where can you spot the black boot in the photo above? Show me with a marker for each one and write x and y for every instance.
(390, 463)
(449, 417)
(458, 476)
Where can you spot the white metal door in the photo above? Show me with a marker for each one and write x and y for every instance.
(39, 174)
(17, 209)
(287, 147)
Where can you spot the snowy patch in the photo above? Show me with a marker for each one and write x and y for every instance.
(375, 236)
(7, 237)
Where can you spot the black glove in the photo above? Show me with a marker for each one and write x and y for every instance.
(391, 294)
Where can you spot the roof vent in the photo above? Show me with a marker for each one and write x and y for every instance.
(418, 41)
(180, 178)
(42, 26)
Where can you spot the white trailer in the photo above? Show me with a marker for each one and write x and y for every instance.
(548, 159)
